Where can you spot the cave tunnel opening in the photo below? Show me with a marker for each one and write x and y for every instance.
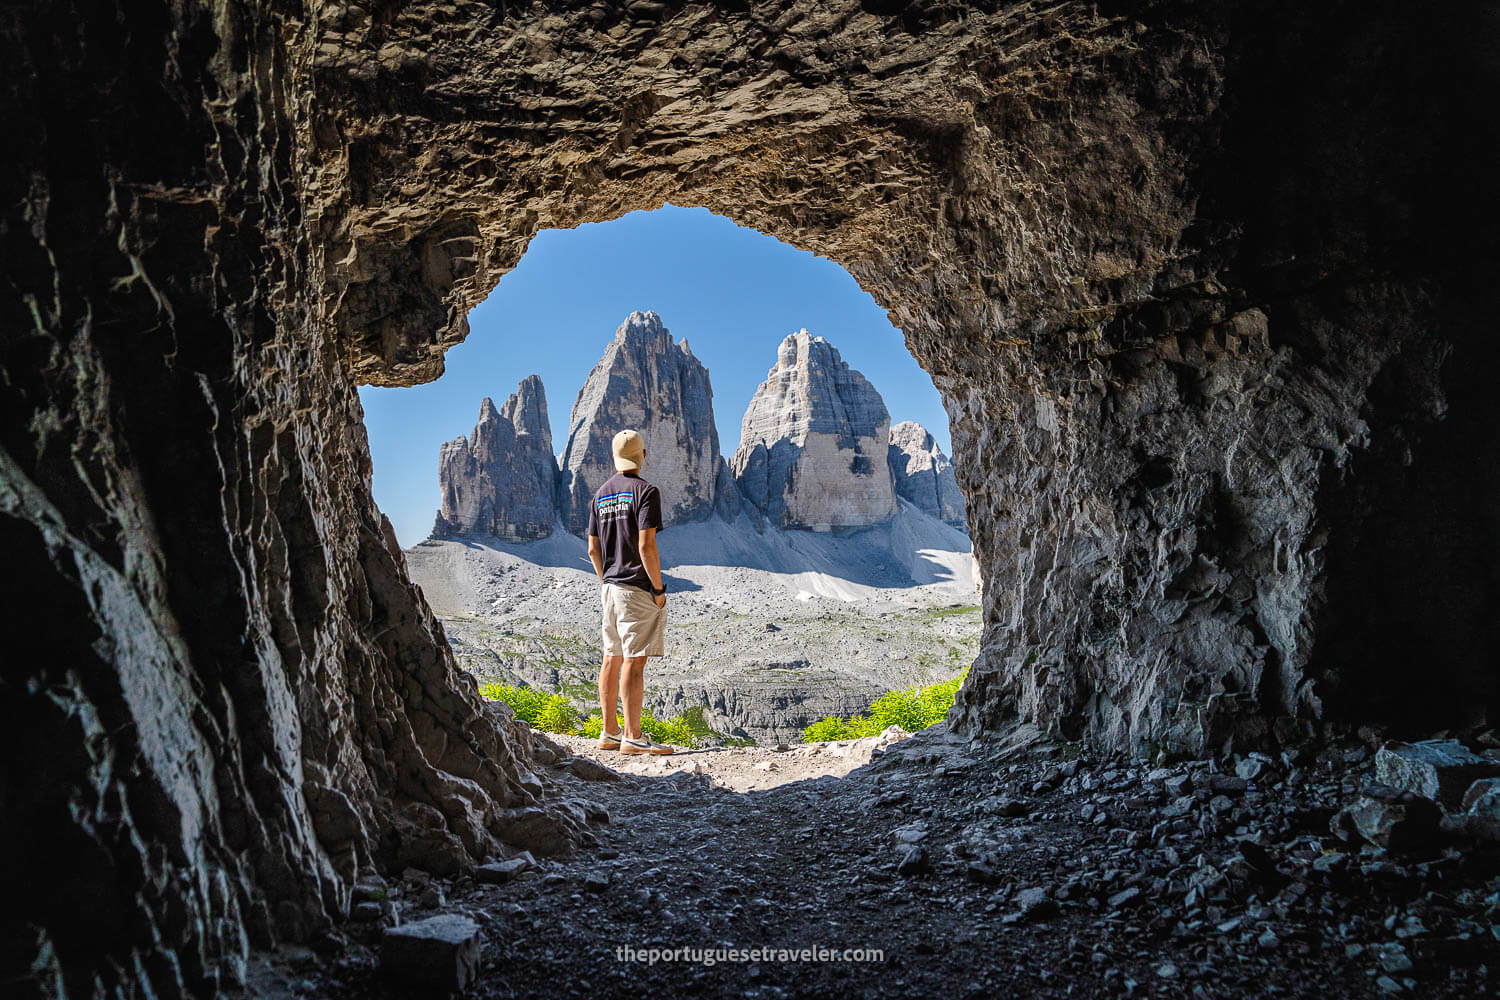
(816, 548)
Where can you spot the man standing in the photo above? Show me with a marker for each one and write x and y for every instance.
(623, 521)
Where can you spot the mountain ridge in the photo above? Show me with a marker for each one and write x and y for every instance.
(818, 450)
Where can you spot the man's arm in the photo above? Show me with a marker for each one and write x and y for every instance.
(596, 555)
(651, 559)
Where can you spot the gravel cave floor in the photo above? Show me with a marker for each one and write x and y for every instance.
(1002, 868)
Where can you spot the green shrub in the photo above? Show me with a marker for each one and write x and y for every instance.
(555, 713)
(674, 731)
(936, 699)
(898, 708)
(550, 713)
(834, 727)
(913, 709)
(526, 702)
(557, 716)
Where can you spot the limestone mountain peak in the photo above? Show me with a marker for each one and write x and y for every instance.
(501, 480)
(817, 450)
(526, 409)
(813, 439)
(923, 474)
(642, 325)
(802, 348)
(647, 381)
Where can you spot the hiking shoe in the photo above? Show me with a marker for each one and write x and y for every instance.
(609, 741)
(643, 745)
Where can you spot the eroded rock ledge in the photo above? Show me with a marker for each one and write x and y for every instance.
(1200, 286)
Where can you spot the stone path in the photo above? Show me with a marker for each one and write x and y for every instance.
(974, 871)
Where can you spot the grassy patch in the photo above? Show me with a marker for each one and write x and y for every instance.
(912, 709)
(555, 713)
(550, 713)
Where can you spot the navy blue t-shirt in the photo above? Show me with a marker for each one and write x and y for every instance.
(623, 507)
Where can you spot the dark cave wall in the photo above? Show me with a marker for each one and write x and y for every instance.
(222, 697)
(1381, 213)
(1214, 351)
(1261, 492)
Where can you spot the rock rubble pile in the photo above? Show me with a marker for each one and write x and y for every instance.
(1034, 867)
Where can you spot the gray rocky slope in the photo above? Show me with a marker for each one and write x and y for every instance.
(768, 631)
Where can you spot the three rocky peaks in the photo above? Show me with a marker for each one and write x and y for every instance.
(817, 448)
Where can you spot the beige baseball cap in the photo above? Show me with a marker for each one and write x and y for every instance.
(629, 451)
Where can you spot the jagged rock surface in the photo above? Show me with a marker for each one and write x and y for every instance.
(1220, 365)
(813, 442)
(1041, 874)
(647, 382)
(503, 480)
(923, 474)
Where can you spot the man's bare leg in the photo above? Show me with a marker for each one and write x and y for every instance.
(633, 687)
(609, 690)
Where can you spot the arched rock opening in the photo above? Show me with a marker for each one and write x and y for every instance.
(1188, 279)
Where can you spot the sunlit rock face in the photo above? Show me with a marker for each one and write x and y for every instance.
(648, 383)
(813, 442)
(1206, 296)
(923, 474)
(502, 480)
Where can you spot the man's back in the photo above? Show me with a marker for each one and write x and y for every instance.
(623, 507)
(623, 521)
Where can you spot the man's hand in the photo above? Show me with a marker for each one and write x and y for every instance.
(596, 556)
(651, 559)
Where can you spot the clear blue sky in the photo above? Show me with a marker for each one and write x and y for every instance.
(733, 292)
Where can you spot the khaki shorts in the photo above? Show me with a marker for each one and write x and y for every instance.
(633, 624)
